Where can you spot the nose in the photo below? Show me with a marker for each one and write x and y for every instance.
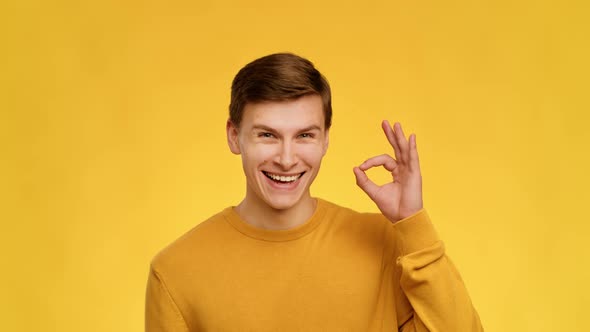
(287, 157)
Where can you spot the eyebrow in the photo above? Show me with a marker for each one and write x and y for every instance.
(269, 129)
(263, 127)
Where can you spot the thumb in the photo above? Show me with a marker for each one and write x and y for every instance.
(363, 181)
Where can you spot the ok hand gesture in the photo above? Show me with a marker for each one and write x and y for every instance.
(403, 196)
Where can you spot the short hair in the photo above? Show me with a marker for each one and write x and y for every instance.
(278, 77)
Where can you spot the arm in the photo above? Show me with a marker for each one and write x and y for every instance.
(161, 312)
(428, 279)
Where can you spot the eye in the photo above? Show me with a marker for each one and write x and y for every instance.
(265, 135)
(306, 135)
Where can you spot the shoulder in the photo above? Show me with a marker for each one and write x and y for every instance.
(340, 216)
(363, 232)
(197, 241)
(349, 214)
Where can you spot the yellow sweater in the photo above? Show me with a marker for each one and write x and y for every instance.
(340, 271)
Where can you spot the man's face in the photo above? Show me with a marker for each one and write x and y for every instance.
(282, 145)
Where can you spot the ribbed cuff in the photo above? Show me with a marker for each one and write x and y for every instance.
(415, 232)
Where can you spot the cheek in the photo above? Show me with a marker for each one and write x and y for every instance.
(311, 154)
(256, 154)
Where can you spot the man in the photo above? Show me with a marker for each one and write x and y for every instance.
(282, 260)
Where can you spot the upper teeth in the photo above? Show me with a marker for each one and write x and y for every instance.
(283, 178)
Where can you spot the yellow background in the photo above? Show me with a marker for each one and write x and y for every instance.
(112, 141)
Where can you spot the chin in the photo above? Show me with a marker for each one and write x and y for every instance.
(283, 203)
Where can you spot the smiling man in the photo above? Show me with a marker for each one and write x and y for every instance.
(282, 260)
(282, 144)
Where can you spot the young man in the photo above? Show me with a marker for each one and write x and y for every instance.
(282, 260)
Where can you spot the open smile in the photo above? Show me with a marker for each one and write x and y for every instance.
(283, 178)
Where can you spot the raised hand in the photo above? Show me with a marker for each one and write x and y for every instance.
(403, 196)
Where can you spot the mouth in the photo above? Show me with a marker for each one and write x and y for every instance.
(283, 178)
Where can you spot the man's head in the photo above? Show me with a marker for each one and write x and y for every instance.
(280, 114)
(278, 77)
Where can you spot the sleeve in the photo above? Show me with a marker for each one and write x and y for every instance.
(161, 312)
(430, 282)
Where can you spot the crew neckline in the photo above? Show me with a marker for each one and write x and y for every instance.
(234, 219)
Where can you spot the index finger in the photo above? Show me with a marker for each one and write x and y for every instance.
(363, 181)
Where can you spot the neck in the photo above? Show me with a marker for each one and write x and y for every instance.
(259, 214)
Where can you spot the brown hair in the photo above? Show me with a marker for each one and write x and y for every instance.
(278, 77)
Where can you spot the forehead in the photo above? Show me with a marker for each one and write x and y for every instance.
(284, 115)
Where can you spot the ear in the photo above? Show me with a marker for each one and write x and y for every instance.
(326, 141)
(232, 137)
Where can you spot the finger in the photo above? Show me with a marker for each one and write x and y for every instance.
(384, 160)
(388, 130)
(402, 142)
(414, 160)
(363, 181)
